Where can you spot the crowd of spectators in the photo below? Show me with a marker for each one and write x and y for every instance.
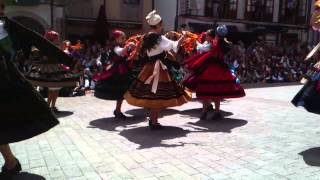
(260, 62)
(263, 62)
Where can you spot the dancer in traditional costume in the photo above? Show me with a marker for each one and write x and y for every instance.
(309, 96)
(154, 88)
(24, 113)
(54, 76)
(115, 81)
(211, 77)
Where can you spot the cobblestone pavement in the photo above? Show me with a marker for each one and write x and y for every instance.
(261, 137)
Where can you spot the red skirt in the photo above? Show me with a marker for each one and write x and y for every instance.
(214, 80)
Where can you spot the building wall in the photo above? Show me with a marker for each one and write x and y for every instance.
(167, 10)
(241, 23)
(116, 10)
(276, 10)
(147, 7)
(131, 12)
(40, 13)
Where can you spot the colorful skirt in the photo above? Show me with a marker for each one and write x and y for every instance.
(52, 76)
(113, 84)
(309, 96)
(168, 94)
(214, 80)
(24, 113)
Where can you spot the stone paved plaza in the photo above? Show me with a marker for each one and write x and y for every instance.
(261, 137)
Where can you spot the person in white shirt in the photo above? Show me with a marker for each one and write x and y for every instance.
(155, 88)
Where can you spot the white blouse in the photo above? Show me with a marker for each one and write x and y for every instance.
(119, 51)
(3, 32)
(205, 47)
(165, 44)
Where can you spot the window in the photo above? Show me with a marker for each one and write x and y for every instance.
(233, 4)
(232, 9)
(193, 7)
(212, 8)
(269, 6)
(221, 8)
(302, 6)
(260, 10)
(293, 11)
(132, 10)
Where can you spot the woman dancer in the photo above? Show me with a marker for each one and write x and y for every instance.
(24, 113)
(154, 88)
(54, 76)
(115, 81)
(309, 96)
(211, 78)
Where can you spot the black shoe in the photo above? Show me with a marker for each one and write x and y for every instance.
(217, 116)
(156, 126)
(11, 172)
(210, 108)
(55, 109)
(119, 115)
(204, 115)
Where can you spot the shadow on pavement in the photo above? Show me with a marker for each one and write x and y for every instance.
(145, 112)
(147, 138)
(62, 114)
(311, 156)
(196, 113)
(137, 116)
(23, 176)
(110, 124)
(224, 125)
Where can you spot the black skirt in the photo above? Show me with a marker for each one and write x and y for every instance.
(51, 75)
(113, 87)
(23, 112)
(308, 97)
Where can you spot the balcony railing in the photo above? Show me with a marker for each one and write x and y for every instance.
(230, 14)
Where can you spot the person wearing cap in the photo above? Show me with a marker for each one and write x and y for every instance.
(155, 88)
(116, 79)
(24, 113)
(211, 78)
(52, 75)
(309, 96)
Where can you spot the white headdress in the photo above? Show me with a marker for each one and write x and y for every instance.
(153, 18)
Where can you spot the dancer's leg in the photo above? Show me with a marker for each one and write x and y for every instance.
(9, 159)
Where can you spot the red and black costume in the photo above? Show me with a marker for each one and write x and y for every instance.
(211, 77)
(116, 78)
